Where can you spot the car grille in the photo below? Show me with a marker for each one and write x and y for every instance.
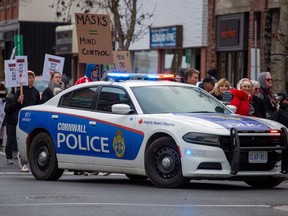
(254, 142)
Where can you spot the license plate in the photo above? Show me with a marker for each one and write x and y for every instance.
(258, 157)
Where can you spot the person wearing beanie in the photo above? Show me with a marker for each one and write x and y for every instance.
(242, 97)
(28, 97)
(265, 80)
(91, 74)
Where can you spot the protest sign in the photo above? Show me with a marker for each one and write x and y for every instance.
(22, 70)
(94, 38)
(10, 73)
(121, 62)
(52, 64)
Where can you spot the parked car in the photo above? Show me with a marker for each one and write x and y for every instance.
(169, 132)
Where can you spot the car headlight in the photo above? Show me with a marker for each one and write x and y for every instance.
(201, 138)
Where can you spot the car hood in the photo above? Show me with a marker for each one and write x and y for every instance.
(220, 121)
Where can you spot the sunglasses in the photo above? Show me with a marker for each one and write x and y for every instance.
(269, 80)
(256, 89)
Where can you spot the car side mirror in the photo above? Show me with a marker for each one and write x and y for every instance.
(227, 97)
(121, 109)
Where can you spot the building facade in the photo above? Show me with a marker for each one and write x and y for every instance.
(36, 22)
(176, 39)
(239, 28)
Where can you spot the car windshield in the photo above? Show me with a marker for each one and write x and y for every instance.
(176, 99)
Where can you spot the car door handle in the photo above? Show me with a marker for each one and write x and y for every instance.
(55, 116)
(92, 123)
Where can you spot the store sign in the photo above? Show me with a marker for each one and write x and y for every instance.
(229, 32)
(166, 37)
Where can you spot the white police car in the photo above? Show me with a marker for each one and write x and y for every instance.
(168, 132)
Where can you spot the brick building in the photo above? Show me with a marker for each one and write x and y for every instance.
(232, 29)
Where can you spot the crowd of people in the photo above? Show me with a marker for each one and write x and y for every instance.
(28, 96)
(250, 97)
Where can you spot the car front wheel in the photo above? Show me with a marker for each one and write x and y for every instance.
(163, 164)
(269, 182)
(42, 158)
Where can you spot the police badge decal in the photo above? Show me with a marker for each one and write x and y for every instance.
(119, 144)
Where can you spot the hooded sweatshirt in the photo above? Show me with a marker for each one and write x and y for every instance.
(265, 94)
(88, 75)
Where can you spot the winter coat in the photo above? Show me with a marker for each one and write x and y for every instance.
(12, 107)
(51, 91)
(88, 75)
(241, 101)
(258, 107)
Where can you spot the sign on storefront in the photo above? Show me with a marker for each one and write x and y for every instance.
(166, 37)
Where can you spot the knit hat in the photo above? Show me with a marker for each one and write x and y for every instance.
(244, 81)
(31, 73)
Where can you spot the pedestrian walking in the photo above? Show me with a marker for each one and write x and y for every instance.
(29, 96)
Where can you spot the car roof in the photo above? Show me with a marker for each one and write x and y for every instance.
(134, 83)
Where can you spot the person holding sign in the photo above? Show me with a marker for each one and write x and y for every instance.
(55, 86)
(27, 96)
(91, 74)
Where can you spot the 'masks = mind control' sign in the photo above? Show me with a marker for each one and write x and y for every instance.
(94, 38)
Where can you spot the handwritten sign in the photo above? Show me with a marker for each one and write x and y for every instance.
(52, 64)
(94, 38)
(121, 62)
(10, 73)
(22, 70)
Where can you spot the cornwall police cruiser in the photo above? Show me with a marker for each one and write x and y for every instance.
(166, 131)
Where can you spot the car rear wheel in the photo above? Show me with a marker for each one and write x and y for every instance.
(269, 182)
(163, 164)
(42, 158)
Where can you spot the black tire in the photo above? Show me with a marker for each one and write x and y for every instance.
(42, 158)
(136, 177)
(163, 164)
(269, 182)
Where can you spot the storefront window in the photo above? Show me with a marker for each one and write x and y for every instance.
(145, 62)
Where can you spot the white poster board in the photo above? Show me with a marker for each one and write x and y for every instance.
(22, 70)
(52, 64)
(10, 73)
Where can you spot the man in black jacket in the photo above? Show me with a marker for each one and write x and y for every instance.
(14, 103)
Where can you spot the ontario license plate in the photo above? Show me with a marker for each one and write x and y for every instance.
(258, 157)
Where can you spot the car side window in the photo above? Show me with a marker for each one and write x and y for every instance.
(80, 98)
(110, 96)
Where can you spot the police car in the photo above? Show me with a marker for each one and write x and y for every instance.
(167, 132)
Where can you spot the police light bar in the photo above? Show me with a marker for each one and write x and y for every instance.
(118, 77)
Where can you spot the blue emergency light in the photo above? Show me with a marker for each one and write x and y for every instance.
(118, 77)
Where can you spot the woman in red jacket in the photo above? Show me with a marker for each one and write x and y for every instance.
(242, 96)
